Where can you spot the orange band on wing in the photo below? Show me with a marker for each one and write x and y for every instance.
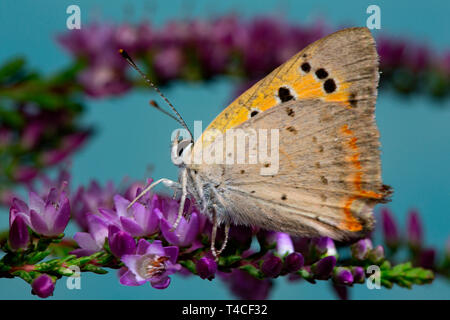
(350, 222)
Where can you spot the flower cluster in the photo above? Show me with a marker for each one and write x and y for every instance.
(140, 242)
(200, 49)
(38, 124)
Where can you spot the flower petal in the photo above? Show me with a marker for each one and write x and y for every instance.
(98, 229)
(172, 253)
(171, 236)
(86, 241)
(156, 248)
(62, 217)
(37, 223)
(131, 227)
(20, 205)
(161, 283)
(36, 203)
(121, 205)
(129, 279)
(142, 247)
(131, 260)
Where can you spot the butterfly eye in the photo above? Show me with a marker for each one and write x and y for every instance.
(182, 145)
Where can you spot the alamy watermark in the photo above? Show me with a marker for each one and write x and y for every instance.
(374, 280)
(74, 281)
(374, 20)
(74, 20)
(235, 146)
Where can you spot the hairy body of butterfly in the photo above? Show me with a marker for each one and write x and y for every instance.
(322, 101)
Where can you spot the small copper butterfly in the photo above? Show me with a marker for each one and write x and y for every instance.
(328, 177)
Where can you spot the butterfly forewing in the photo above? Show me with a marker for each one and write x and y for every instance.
(328, 176)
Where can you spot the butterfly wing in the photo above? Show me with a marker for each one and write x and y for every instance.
(328, 178)
(342, 67)
(322, 101)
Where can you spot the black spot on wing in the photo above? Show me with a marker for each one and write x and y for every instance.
(285, 94)
(306, 67)
(321, 73)
(329, 86)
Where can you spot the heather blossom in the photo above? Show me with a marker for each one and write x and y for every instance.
(151, 263)
(48, 217)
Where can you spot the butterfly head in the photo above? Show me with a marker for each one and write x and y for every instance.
(181, 150)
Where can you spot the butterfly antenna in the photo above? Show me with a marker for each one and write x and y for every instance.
(130, 61)
(153, 104)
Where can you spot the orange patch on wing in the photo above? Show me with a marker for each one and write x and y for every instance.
(350, 222)
(263, 96)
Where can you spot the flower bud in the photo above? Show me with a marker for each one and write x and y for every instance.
(284, 244)
(323, 268)
(377, 254)
(43, 286)
(390, 232)
(18, 233)
(360, 250)
(120, 242)
(426, 258)
(414, 229)
(294, 262)
(206, 268)
(272, 266)
(323, 246)
(342, 276)
(358, 274)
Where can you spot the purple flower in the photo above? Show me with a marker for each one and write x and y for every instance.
(284, 244)
(206, 268)
(89, 41)
(358, 274)
(18, 231)
(322, 269)
(126, 37)
(245, 286)
(90, 200)
(120, 242)
(140, 220)
(152, 263)
(414, 229)
(102, 80)
(389, 228)
(342, 276)
(376, 255)
(32, 133)
(272, 266)
(46, 217)
(391, 52)
(94, 240)
(168, 63)
(427, 258)
(43, 286)
(186, 232)
(361, 249)
(323, 246)
(24, 173)
(294, 262)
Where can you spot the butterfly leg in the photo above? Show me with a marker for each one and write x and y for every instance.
(183, 197)
(168, 183)
(213, 237)
(199, 189)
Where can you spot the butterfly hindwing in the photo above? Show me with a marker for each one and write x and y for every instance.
(328, 177)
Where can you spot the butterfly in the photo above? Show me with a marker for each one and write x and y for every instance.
(328, 178)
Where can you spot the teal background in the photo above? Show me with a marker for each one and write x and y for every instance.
(415, 130)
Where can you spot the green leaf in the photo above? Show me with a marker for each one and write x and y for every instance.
(10, 68)
(190, 265)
